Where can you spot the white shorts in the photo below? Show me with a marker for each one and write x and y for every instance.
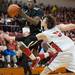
(71, 65)
(64, 59)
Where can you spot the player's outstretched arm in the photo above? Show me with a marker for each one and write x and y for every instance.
(66, 27)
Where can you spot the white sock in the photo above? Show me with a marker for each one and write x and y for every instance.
(32, 57)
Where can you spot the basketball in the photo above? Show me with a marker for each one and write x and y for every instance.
(13, 10)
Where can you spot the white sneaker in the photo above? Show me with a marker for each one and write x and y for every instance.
(8, 65)
(15, 66)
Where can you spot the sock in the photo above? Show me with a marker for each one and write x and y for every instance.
(14, 59)
(8, 58)
(27, 51)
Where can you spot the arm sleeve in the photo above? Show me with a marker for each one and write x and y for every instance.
(33, 38)
(19, 38)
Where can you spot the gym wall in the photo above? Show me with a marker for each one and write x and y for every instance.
(67, 3)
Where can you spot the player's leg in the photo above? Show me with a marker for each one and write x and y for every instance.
(14, 60)
(26, 51)
(71, 66)
(62, 60)
(7, 55)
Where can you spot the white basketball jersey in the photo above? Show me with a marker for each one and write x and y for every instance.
(59, 38)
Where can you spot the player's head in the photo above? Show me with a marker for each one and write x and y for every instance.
(48, 22)
(30, 4)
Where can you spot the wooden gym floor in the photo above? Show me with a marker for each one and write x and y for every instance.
(37, 71)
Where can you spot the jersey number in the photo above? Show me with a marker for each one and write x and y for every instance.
(58, 33)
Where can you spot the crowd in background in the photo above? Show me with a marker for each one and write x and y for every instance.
(14, 26)
(62, 15)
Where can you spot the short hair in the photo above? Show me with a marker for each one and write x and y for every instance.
(50, 21)
(34, 1)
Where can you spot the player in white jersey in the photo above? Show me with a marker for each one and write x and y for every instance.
(63, 44)
(57, 40)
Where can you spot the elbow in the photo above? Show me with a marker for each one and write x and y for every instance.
(44, 38)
